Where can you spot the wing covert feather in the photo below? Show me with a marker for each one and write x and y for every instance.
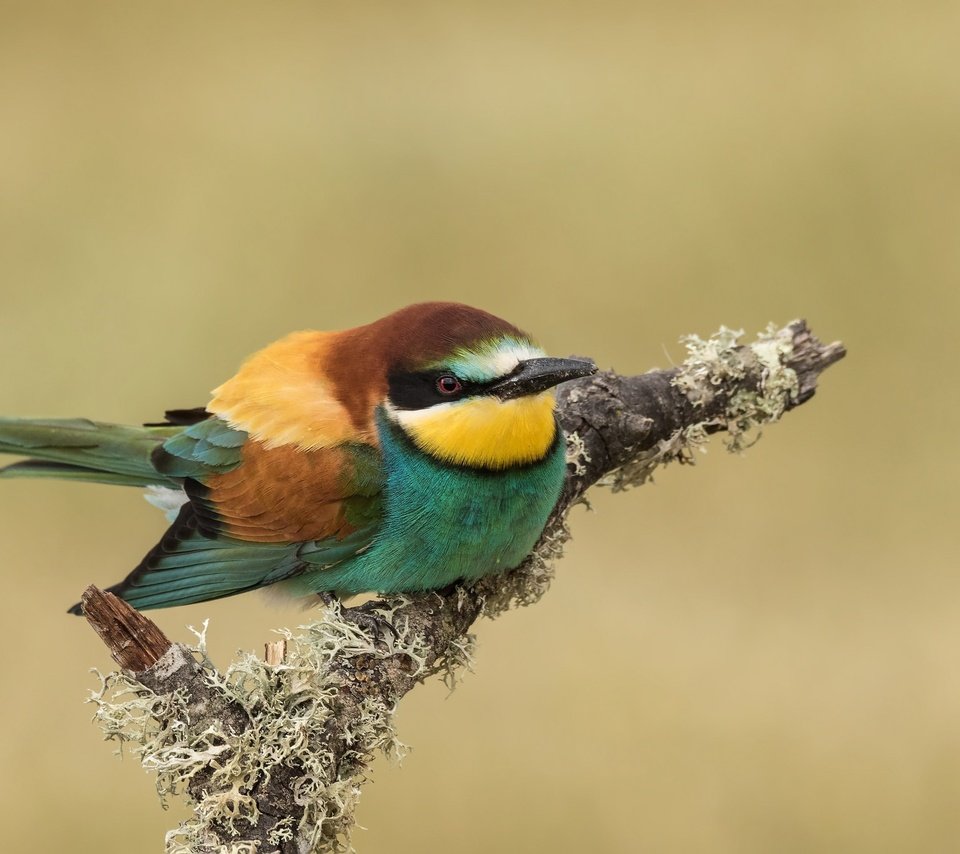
(288, 495)
(278, 513)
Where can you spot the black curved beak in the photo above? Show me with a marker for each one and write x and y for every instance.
(535, 375)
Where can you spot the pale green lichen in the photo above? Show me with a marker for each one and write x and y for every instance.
(289, 706)
(577, 454)
(680, 447)
(713, 364)
(458, 660)
(710, 363)
(716, 361)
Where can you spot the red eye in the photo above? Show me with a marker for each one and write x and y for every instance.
(448, 384)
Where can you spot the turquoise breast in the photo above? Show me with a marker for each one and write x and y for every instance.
(445, 523)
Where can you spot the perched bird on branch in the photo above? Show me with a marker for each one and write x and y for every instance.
(404, 455)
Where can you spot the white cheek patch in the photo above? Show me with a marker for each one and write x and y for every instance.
(410, 418)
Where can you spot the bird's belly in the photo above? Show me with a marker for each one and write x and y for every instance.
(442, 523)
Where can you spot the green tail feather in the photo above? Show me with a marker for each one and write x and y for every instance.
(79, 449)
(64, 471)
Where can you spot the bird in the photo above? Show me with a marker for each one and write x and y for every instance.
(408, 454)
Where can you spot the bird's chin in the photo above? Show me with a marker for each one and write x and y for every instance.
(484, 431)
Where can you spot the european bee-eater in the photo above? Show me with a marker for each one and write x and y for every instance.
(419, 450)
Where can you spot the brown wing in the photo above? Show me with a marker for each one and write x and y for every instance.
(290, 495)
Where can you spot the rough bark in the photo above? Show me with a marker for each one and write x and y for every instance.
(619, 429)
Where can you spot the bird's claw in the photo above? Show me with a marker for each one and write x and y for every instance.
(373, 626)
(329, 598)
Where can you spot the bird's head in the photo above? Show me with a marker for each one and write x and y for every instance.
(471, 389)
(466, 387)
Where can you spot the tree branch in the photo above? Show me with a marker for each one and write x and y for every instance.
(273, 753)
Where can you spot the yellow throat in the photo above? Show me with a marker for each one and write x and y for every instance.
(484, 432)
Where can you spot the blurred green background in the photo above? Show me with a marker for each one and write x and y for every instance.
(759, 654)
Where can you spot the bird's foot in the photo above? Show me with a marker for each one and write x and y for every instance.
(371, 624)
(329, 599)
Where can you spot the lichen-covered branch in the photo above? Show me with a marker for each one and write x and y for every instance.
(272, 754)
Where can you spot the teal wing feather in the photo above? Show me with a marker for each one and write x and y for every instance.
(197, 560)
(200, 450)
(188, 566)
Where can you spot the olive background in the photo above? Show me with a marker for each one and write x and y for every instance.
(758, 653)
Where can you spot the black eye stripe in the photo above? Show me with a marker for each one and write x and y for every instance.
(420, 389)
